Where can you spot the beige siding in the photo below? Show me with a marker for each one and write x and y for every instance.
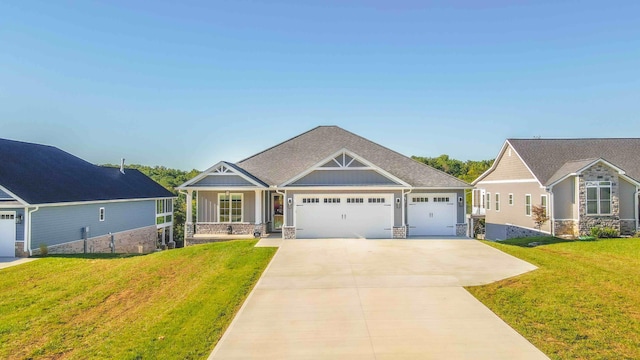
(208, 206)
(564, 200)
(627, 203)
(514, 214)
(509, 168)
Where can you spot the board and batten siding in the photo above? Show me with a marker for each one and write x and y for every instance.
(343, 178)
(223, 180)
(509, 167)
(61, 224)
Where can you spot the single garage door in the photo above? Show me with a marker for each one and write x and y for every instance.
(343, 216)
(7, 233)
(432, 214)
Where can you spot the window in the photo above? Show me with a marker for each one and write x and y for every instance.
(511, 199)
(441, 199)
(488, 202)
(101, 214)
(164, 206)
(420, 199)
(310, 200)
(543, 203)
(497, 202)
(332, 200)
(376, 200)
(230, 208)
(598, 197)
(527, 205)
(355, 201)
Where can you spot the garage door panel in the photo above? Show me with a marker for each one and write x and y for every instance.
(344, 216)
(7, 233)
(432, 214)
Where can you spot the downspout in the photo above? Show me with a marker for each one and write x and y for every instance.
(404, 208)
(28, 242)
(286, 208)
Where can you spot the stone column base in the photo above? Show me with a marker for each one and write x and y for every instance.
(400, 232)
(288, 232)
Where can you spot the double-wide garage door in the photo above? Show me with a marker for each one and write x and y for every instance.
(343, 216)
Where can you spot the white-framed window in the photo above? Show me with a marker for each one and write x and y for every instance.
(497, 202)
(310, 200)
(332, 200)
(164, 211)
(101, 214)
(230, 208)
(376, 200)
(355, 200)
(488, 201)
(543, 203)
(510, 199)
(420, 199)
(527, 204)
(598, 197)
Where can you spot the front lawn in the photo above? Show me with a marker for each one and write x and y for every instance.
(169, 305)
(582, 303)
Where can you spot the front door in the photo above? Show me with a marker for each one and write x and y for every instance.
(277, 213)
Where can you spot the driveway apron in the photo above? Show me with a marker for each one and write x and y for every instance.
(376, 299)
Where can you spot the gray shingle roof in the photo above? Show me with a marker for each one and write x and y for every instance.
(570, 168)
(284, 161)
(548, 157)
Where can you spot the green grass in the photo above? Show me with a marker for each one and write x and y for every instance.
(171, 305)
(582, 303)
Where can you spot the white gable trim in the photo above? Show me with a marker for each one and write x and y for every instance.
(506, 145)
(14, 196)
(220, 169)
(369, 166)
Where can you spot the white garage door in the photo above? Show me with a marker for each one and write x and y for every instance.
(343, 216)
(7, 233)
(431, 214)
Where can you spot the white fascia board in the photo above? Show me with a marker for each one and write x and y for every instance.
(422, 188)
(514, 181)
(101, 202)
(14, 196)
(355, 156)
(620, 172)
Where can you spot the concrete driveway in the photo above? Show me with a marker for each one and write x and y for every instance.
(376, 299)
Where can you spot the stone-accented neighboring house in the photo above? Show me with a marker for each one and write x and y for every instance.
(582, 183)
(51, 198)
(326, 183)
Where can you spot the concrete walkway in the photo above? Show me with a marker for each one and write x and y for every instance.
(6, 262)
(376, 299)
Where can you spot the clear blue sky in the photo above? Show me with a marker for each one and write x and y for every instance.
(188, 83)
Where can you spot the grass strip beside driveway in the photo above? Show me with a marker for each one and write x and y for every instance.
(171, 305)
(582, 303)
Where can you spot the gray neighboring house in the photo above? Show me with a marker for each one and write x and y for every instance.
(582, 183)
(52, 198)
(326, 183)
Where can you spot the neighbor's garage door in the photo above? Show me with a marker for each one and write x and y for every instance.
(432, 214)
(344, 216)
(7, 233)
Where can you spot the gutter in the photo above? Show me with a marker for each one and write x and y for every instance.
(27, 243)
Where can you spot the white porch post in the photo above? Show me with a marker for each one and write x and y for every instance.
(258, 207)
(189, 206)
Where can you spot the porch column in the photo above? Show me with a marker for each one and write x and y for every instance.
(188, 226)
(258, 207)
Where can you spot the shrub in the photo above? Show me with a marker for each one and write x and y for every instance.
(44, 250)
(604, 232)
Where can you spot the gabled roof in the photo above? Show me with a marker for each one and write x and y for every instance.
(229, 168)
(545, 157)
(290, 158)
(40, 174)
(571, 167)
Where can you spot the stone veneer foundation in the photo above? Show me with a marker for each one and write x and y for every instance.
(288, 232)
(139, 241)
(236, 229)
(462, 229)
(518, 232)
(399, 232)
(566, 228)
